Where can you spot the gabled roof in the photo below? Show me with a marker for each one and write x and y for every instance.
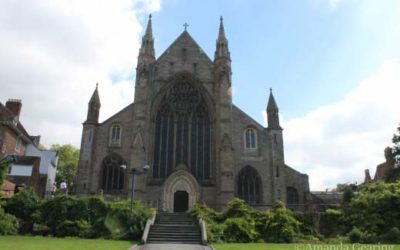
(181, 39)
(7, 118)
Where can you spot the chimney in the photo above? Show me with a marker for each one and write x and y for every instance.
(14, 105)
(35, 140)
(367, 178)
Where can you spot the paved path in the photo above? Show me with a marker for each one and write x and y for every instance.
(171, 247)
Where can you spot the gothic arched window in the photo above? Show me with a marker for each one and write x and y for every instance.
(250, 137)
(113, 173)
(115, 134)
(292, 196)
(183, 133)
(248, 185)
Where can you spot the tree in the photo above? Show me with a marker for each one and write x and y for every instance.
(393, 175)
(396, 147)
(67, 163)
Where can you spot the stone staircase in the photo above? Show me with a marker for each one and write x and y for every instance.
(175, 228)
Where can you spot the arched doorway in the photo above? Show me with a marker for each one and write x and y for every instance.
(181, 201)
(180, 189)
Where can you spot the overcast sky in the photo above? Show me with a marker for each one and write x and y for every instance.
(334, 66)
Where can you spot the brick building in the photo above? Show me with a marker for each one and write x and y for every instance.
(34, 168)
(200, 146)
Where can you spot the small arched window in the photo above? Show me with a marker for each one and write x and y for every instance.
(113, 173)
(248, 185)
(250, 138)
(115, 134)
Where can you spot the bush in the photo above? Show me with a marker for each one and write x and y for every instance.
(206, 213)
(332, 223)
(392, 236)
(41, 229)
(23, 205)
(355, 235)
(358, 236)
(79, 228)
(237, 208)
(239, 230)
(281, 226)
(8, 223)
(215, 232)
(125, 223)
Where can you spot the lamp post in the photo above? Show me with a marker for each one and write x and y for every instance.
(134, 172)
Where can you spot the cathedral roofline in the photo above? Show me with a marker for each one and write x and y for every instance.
(185, 33)
(116, 114)
(251, 118)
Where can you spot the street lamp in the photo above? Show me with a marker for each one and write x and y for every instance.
(134, 172)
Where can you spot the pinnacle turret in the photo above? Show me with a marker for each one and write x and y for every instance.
(222, 49)
(94, 107)
(271, 102)
(272, 112)
(147, 47)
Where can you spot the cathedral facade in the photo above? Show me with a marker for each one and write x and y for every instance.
(200, 147)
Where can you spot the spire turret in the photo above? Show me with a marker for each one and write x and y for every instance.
(272, 112)
(222, 50)
(94, 107)
(147, 47)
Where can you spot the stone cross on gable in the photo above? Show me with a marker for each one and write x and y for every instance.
(185, 25)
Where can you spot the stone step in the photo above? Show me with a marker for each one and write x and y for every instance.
(177, 228)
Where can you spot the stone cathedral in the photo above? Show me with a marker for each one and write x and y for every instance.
(200, 147)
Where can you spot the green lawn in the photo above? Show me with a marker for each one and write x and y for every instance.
(49, 243)
(263, 246)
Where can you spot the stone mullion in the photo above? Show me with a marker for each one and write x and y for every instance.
(197, 147)
(204, 142)
(160, 150)
(175, 137)
(210, 150)
(167, 144)
(189, 142)
(182, 121)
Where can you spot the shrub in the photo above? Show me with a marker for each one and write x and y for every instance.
(280, 226)
(80, 228)
(237, 208)
(125, 223)
(355, 235)
(23, 205)
(58, 210)
(206, 213)
(306, 223)
(332, 223)
(239, 230)
(392, 236)
(358, 236)
(41, 229)
(215, 232)
(8, 223)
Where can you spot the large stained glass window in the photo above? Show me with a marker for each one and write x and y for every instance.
(183, 133)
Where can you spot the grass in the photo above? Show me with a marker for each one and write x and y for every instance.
(50, 243)
(264, 246)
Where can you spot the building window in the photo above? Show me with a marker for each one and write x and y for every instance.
(115, 135)
(183, 133)
(292, 197)
(248, 185)
(250, 138)
(18, 143)
(113, 173)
